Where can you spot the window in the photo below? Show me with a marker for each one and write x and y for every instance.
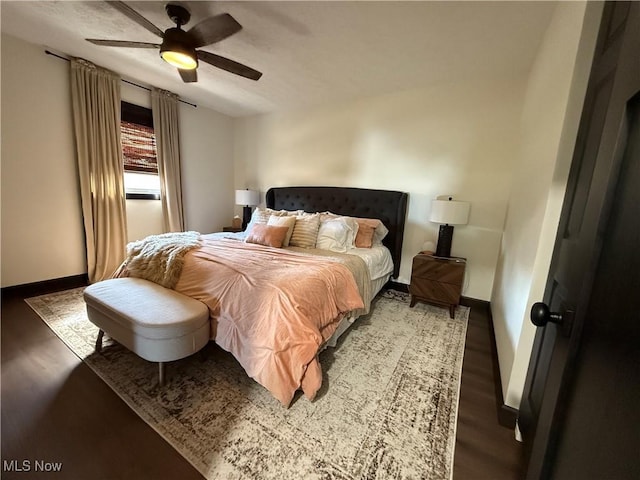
(141, 180)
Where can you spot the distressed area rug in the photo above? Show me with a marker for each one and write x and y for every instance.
(387, 408)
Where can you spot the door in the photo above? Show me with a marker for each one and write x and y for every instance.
(579, 412)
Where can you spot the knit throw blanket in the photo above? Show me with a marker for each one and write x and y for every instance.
(159, 258)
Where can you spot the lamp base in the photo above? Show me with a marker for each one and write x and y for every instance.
(445, 236)
(246, 216)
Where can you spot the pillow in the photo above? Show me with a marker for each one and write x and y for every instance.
(380, 231)
(325, 216)
(305, 231)
(268, 235)
(336, 235)
(283, 213)
(366, 229)
(351, 223)
(286, 221)
(260, 216)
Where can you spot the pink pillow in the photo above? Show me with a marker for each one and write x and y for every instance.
(267, 235)
(366, 229)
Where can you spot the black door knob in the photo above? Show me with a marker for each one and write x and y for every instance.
(540, 315)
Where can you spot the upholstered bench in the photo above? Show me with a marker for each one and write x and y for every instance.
(158, 324)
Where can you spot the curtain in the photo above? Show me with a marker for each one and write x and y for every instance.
(95, 97)
(164, 106)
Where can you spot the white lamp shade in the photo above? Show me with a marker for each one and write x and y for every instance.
(450, 212)
(249, 198)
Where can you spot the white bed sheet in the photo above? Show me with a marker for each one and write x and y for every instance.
(378, 260)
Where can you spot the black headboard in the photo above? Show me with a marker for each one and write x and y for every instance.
(386, 205)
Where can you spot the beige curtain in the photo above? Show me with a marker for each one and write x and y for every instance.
(95, 96)
(164, 106)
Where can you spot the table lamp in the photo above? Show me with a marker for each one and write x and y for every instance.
(448, 212)
(247, 198)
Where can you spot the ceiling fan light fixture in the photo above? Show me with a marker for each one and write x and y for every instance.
(178, 47)
(180, 60)
(176, 50)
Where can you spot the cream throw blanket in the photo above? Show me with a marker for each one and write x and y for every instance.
(159, 258)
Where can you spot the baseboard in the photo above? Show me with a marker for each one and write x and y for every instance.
(507, 415)
(47, 286)
(475, 303)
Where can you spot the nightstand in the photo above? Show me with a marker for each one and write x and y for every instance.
(437, 280)
(232, 229)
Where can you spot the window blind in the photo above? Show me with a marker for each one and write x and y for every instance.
(138, 139)
(138, 148)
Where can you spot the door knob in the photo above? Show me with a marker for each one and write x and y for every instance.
(540, 315)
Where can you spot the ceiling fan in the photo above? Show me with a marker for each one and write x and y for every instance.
(178, 46)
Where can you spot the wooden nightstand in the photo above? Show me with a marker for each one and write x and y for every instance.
(232, 229)
(437, 280)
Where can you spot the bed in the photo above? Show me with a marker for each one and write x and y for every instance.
(276, 308)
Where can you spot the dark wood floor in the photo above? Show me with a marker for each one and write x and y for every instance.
(484, 449)
(55, 409)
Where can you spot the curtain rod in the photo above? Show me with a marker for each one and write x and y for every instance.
(122, 79)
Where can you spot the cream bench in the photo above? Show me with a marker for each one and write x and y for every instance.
(158, 324)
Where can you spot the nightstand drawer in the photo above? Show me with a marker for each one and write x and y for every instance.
(430, 268)
(437, 280)
(434, 291)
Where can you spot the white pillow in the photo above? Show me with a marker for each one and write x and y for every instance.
(259, 216)
(285, 221)
(282, 213)
(337, 235)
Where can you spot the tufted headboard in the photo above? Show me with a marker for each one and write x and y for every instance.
(386, 205)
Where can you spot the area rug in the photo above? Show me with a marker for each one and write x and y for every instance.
(387, 408)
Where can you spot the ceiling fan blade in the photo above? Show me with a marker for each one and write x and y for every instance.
(188, 76)
(136, 17)
(213, 29)
(122, 43)
(228, 65)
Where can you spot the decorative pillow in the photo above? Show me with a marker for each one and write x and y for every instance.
(268, 235)
(366, 229)
(260, 216)
(285, 221)
(305, 231)
(280, 213)
(295, 213)
(325, 216)
(336, 235)
(380, 232)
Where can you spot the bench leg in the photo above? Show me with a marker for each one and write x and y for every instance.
(161, 374)
(99, 341)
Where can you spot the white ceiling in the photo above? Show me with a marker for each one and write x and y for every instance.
(310, 52)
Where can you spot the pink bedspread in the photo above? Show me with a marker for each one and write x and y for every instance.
(271, 308)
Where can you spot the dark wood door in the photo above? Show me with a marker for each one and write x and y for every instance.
(579, 414)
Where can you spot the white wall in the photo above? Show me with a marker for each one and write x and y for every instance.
(457, 139)
(553, 103)
(206, 146)
(42, 232)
